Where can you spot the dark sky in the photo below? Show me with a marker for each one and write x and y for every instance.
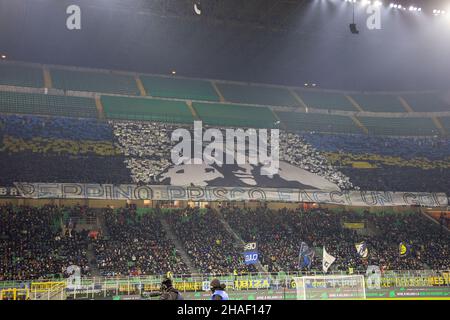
(410, 52)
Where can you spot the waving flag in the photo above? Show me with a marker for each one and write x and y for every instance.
(362, 249)
(403, 249)
(327, 260)
(305, 256)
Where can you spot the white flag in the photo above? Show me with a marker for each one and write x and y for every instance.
(362, 250)
(327, 260)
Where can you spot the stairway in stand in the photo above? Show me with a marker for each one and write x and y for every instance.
(180, 249)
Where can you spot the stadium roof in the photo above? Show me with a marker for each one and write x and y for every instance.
(282, 42)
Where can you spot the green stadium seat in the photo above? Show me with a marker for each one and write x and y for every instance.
(400, 126)
(235, 115)
(378, 102)
(326, 100)
(179, 88)
(31, 103)
(315, 122)
(21, 76)
(146, 109)
(104, 82)
(428, 102)
(252, 94)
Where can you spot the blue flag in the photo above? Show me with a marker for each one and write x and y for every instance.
(305, 257)
(251, 257)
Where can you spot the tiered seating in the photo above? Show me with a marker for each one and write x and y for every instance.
(33, 245)
(279, 235)
(179, 88)
(428, 102)
(12, 102)
(326, 100)
(21, 76)
(257, 95)
(137, 244)
(210, 247)
(400, 126)
(235, 115)
(146, 109)
(296, 121)
(379, 102)
(44, 149)
(94, 81)
(388, 163)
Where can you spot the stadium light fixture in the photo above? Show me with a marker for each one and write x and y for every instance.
(438, 12)
(413, 8)
(396, 6)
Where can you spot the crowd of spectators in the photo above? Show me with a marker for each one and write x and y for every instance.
(295, 150)
(42, 243)
(420, 164)
(34, 245)
(434, 148)
(210, 246)
(279, 235)
(55, 149)
(135, 244)
(146, 147)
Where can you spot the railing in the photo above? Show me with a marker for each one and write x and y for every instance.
(15, 294)
(101, 287)
(48, 290)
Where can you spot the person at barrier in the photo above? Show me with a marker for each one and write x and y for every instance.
(218, 290)
(168, 292)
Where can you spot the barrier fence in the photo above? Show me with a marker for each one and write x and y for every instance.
(197, 284)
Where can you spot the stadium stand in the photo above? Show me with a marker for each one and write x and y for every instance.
(400, 126)
(180, 88)
(388, 163)
(146, 109)
(280, 233)
(35, 246)
(55, 149)
(379, 102)
(132, 241)
(136, 245)
(210, 247)
(253, 94)
(31, 103)
(21, 76)
(49, 149)
(326, 100)
(235, 115)
(428, 102)
(104, 82)
(315, 122)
